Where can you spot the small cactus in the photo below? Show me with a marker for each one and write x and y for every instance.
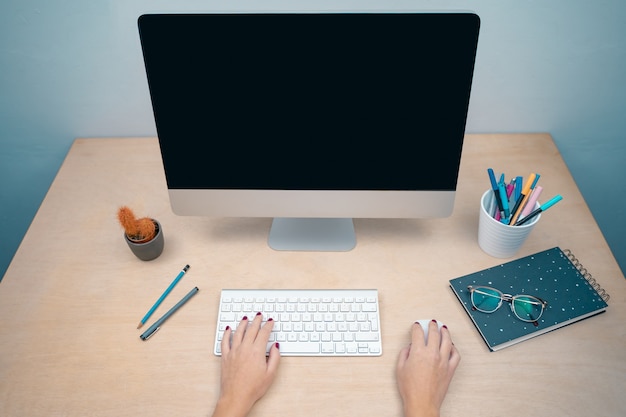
(138, 230)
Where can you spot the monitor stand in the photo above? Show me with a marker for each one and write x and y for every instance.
(312, 234)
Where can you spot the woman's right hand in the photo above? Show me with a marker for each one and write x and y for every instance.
(424, 370)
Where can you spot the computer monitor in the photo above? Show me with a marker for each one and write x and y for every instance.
(310, 118)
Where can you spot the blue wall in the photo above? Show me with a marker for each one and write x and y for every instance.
(73, 68)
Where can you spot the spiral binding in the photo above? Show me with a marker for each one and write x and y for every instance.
(590, 279)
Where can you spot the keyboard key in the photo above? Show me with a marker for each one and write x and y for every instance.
(366, 337)
(299, 348)
(328, 347)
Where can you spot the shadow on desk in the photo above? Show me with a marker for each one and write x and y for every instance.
(239, 230)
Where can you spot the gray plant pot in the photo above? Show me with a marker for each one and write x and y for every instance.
(149, 250)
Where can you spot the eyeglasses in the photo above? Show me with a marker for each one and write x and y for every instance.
(525, 307)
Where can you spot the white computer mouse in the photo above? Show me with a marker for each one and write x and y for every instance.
(425, 324)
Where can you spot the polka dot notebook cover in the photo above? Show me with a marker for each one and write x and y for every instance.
(530, 296)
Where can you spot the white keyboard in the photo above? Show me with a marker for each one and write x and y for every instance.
(308, 322)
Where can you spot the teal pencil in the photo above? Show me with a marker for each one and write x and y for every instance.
(160, 300)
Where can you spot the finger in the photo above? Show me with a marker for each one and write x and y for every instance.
(253, 329)
(273, 359)
(264, 333)
(455, 358)
(417, 335)
(240, 331)
(446, 340)
(226, 341)
(434, 336)
(449, 349)
(403, 357)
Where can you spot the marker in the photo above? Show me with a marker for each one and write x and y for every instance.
(543, 207)
(509, 191)
(504, 216)
(530, 205)
(496, 190)
(160, 300)
(519, 205)
(518, 187)
(532, 186)
(157, 324)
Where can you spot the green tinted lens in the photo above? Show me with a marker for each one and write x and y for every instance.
(527, 308)
(486, 299)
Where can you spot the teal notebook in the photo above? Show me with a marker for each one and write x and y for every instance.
(554, 276)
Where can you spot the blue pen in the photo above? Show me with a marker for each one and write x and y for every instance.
(496, 189)
(532, 186)
(160, 300)
(543, 207)
(518, 187)
(504, 216)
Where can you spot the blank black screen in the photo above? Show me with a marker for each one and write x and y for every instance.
(310, 101)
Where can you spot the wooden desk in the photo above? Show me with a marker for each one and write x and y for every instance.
(71, 299)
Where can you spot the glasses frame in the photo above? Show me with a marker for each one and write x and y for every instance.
(510, 299)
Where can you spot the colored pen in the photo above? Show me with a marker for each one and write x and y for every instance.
(532, 186)
(157, 324)
(530, 205)
(543, 207)
(519, 205)
(509, 191)
(498, 214)
(496, 189)
(165, 293)
(518, 187)
(504, 216)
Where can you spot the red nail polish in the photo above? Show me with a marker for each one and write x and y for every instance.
(434, 321)
(245, 318)
(445, 327)
(227, 328)
(270, 319)
(277, 345)
(258, 314)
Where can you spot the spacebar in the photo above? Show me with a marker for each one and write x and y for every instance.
(299, 348)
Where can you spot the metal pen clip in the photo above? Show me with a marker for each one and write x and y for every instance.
(150, 335)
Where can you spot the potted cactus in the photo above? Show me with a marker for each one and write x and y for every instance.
(144, 235)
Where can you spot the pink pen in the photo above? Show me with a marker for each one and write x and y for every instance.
(509, 190)
(530, 206)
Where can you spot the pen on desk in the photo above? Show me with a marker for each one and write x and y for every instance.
(543, 207)
(157, 324)
(165, 293)
(496, 189)
(519, 204)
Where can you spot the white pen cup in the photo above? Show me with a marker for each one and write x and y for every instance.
(496, 238)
